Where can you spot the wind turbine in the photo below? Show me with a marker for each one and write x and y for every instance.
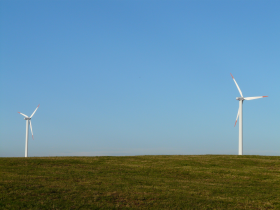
(28, 121)
(240, 115)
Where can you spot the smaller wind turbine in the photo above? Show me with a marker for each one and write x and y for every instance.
(240, 115)
(28, 121)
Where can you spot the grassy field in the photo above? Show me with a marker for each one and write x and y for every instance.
(141, 182)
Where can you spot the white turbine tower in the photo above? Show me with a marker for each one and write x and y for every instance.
(240, 115)
(28, 121)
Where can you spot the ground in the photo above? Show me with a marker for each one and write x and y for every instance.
(141, 182)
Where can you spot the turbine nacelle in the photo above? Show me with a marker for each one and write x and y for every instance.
(240, 98)
(27, 118)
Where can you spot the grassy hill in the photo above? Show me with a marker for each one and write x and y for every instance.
(141, 182)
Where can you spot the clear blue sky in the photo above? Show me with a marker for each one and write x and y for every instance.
(139, 77)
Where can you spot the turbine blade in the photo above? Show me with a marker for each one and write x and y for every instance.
(23, 114)
(31, 129)
(237, 117)
(237, 86)
(252, 98)
(34, 111)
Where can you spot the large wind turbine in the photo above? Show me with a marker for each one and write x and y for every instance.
(240, 113)
(28, 121)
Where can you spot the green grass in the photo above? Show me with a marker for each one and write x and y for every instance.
(141, 182)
